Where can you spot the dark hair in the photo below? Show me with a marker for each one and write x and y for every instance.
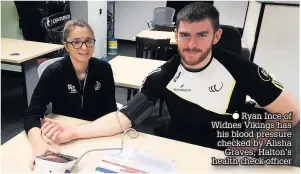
(74, 23)
(198, 11)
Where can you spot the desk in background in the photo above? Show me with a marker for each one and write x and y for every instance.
(164, 35)
(129, 72)
(189, 158)
(27, 52)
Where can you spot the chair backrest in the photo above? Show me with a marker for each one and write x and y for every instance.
(163, 16)
(164, 28)
(152, 48)
(44, 65)
(230, 40)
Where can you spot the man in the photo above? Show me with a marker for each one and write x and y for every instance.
(200, 85)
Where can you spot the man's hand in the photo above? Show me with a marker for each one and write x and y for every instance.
(58, 133)
(41, 149)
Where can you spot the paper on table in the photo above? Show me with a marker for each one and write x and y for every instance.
(132, 161)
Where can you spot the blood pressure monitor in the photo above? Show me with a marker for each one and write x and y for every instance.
(54, 163)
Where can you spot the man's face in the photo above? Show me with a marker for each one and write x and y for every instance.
(195, 40)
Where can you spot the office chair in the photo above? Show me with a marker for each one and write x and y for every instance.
(165, 28)
(41, 69)
(163, 16)
(156, 49)
(230, 40)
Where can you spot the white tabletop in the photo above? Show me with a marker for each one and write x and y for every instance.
(16, 153)
(130, 72)
(26, 49)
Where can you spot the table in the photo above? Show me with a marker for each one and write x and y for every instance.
(27, 52)
(164, 35)
(189, 158)
(129, 72)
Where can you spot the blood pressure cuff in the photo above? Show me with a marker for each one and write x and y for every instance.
(138, 108)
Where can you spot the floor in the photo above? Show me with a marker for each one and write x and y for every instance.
(13, 105)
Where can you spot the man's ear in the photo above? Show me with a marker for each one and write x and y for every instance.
(176, 34)
(217, 35)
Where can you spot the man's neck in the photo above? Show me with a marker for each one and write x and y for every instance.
(201, 64)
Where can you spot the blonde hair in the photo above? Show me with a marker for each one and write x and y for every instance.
(74, 23)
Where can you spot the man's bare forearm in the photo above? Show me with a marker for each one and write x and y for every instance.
(107, 125)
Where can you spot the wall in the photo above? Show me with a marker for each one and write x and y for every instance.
(131, 16)
(99, 24)
(10, 21)
(251, 24)
(89, 11)
(79, 10)
(278, 45)
(232, 12)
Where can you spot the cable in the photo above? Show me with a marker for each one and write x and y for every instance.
(125, 132)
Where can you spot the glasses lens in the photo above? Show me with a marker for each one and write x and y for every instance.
(77, 44)
(90, 43)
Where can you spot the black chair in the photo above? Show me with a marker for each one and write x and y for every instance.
(156, 49)
(231, 40)
(164, 28)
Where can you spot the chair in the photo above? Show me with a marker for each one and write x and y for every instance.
(41, 69)
(44, 65)
(156, 49)
(163, 16)
(165, 28)
(230, 40)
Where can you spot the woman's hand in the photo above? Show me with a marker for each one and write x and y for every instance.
(39, 149)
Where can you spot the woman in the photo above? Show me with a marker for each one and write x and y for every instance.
(78, 86)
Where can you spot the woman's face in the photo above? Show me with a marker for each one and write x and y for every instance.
(80, 44)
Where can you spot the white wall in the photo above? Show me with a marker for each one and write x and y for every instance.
(79, 10)
(278, 45)
(131, 17)
(10, 21)
(89, 11)
(251, 24)
(98, 23)
(232, 12)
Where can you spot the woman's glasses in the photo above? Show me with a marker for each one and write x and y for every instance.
(78, 44)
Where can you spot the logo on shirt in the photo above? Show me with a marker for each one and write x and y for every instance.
(48, 22)
(181, 89)
(177, 77)
(71, 89)
(97, 86)
(264, 75)
(216, 89)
